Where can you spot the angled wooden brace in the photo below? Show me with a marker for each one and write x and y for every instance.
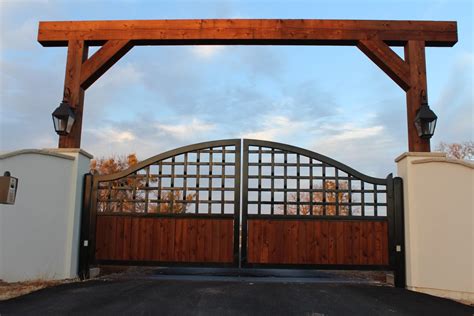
(387, 60)
(103, 60)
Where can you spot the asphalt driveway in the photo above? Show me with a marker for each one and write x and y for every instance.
(168, 295)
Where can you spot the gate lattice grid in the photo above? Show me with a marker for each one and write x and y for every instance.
(300, 209)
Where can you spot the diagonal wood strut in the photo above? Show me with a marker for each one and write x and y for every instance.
(372, 37)
(384, 57)
(102, 60)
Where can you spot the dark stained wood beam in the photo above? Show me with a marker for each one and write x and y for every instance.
(384, 57)
(373, 37)
(102, 60)
(415, 57)
(73, 92)
(248, 32)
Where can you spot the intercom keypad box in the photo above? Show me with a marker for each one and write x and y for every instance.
(8, 187)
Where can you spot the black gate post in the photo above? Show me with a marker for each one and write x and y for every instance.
(245, 186)
(84, 242)
(400, 265)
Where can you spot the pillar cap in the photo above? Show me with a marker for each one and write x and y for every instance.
(70, 150)
(434, 154)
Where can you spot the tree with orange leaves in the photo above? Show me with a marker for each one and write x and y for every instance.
(463, 150)
(125, 192)
(331, 197)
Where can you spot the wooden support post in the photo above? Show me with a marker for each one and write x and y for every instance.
(415, 57)
(374, 38)
(73, 92)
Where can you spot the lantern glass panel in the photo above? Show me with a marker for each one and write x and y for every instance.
(70, 122)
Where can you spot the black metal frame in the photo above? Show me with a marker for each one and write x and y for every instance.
(343, 198)
(393, 199)
(95, 183)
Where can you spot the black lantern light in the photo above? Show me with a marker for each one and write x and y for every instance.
(425, 119)
(63, 118)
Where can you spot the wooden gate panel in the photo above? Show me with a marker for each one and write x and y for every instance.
(181, 206)
(316, 242)
(121, 238)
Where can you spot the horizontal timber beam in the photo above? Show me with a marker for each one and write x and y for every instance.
(249, 32)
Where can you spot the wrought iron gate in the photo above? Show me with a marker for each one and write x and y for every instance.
(299, 209)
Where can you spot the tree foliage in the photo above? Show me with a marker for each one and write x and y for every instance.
(129, 194)
(332, 196)
(463, 150)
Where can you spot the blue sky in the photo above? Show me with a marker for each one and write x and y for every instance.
(332, 100)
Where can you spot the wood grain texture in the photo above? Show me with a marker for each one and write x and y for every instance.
(373, 37)
(130, 238)
(73, 92)
(415, 58)
(96, 65)
(317, 242)
(387, 60)
(248, 31)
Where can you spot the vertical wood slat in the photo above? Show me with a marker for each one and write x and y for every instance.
(332, 243)
(164, 239)
(301, 243)
(207, 241)
(370, 243)
(127, 238)
(155, 253)
(324, 254)
(317, 239)
(363, 250)
(293, 235)
(201, 231)
(100, 244)
(119, 238)
(347, 243)
(216, 240)
(134, 237)
(192, 239)
(142, 233)
(317, 242)
(340, 242)
(356, 243)
(265, 241)
(178, 241)
(111, 240)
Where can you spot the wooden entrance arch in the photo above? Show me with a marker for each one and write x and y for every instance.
(373, 38)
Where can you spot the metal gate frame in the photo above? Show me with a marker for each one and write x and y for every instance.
(394, 203)
(87, 250)
(394, 188)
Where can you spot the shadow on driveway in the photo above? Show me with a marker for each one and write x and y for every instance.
(165, 295)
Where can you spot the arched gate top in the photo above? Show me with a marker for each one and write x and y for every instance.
(314, 155)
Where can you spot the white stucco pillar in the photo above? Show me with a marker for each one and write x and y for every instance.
(39, 234)
(439, 224)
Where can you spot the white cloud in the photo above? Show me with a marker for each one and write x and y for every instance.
(187, 130)
(119, 75)
(207, 51)
(113, 135)
(275, 127)
(356, 133)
